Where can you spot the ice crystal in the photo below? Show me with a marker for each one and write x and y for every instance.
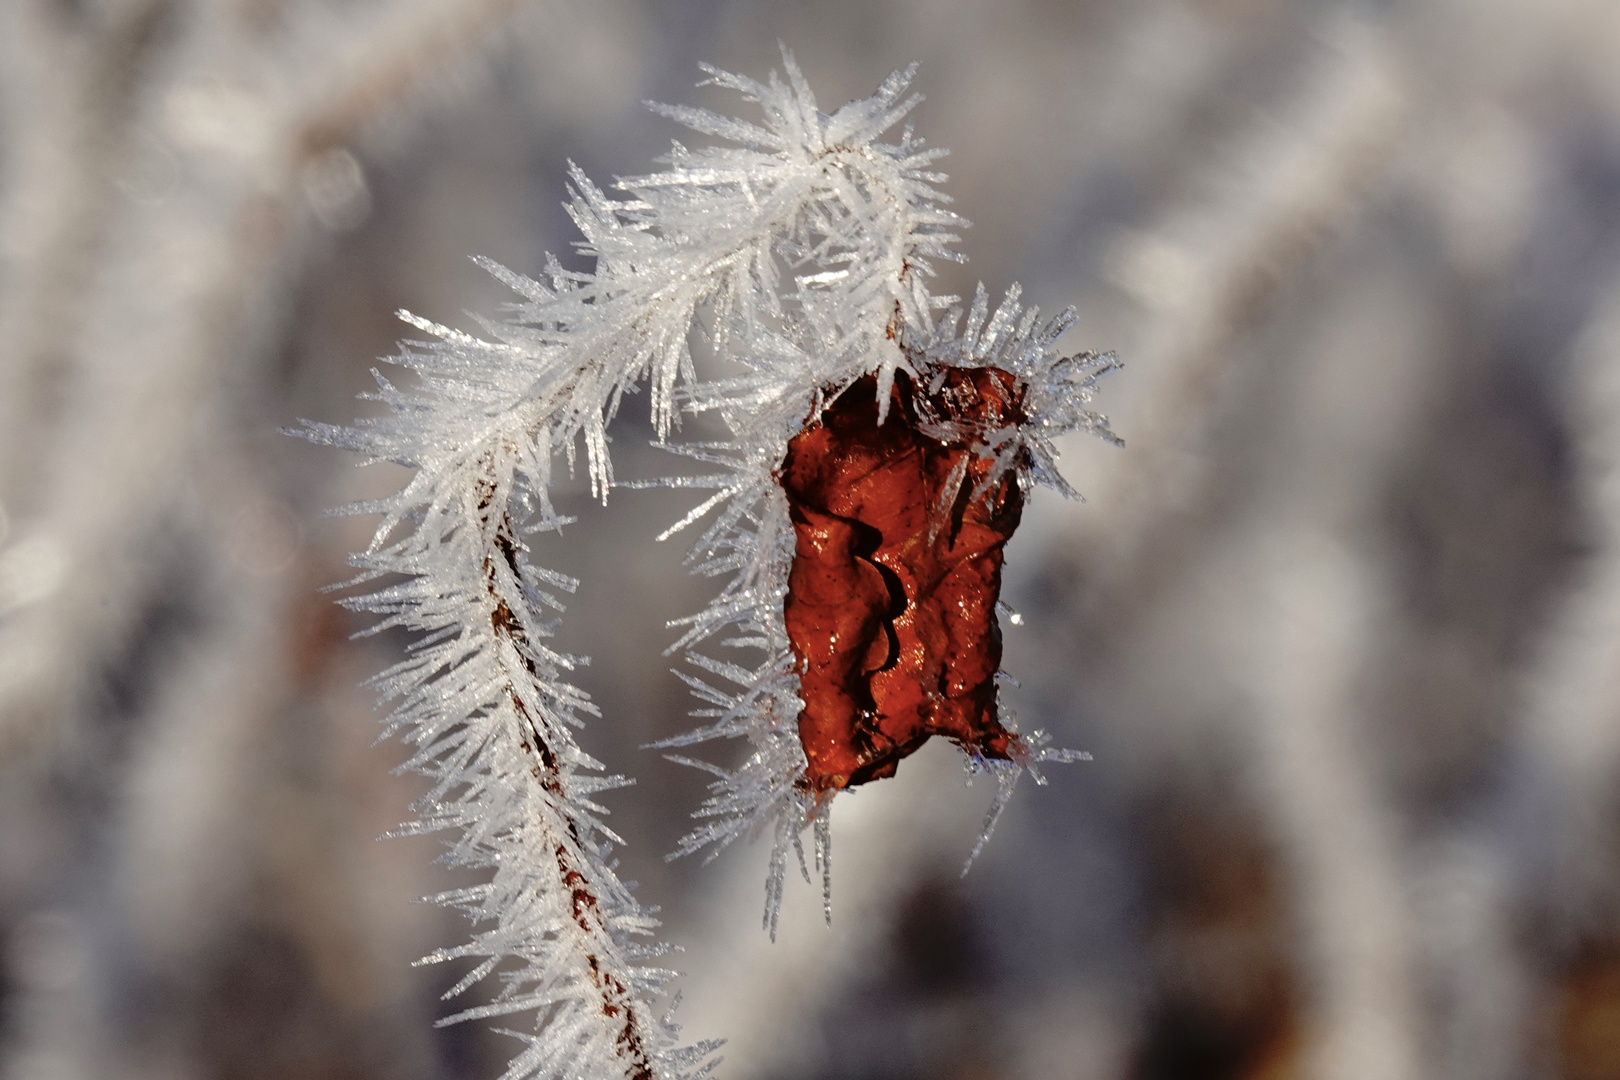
(803, 250)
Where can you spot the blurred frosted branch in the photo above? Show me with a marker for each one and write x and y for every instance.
(183, 278)
(1572, 712)
(1210, 272)
(154, 195)
(70, 84)
(1340, 846)
(178, 874)
(1319, 595)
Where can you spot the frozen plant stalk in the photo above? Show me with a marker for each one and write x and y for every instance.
(802, 250)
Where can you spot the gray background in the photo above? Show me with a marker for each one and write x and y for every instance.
(1341, 624)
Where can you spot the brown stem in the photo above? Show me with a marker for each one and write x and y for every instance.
(616, 997)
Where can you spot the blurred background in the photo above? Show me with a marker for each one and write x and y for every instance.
(1341, 623)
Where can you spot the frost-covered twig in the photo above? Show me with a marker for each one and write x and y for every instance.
(801, 252)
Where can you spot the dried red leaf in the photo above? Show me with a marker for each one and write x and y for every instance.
(891, 605)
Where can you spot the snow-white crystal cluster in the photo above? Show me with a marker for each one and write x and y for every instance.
(802, 251)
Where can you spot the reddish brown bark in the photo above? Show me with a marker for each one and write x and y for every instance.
(618, 1004)
(892, 594)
